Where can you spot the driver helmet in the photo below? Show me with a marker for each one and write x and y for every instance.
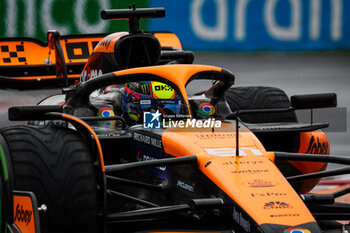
(149, 96)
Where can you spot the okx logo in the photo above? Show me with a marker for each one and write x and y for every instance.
(151, 120)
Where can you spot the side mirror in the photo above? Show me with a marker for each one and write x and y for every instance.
(310, 101)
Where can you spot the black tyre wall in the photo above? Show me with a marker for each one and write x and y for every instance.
(56, 165)
(6, 186)
(257, 97)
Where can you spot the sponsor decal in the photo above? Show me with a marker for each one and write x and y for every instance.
(142, 138)
(206, 109)
(25, 212)
(268, 194)
(185, 186)
(238, 217)
(162, 87)
(242, 162)
(145, 102)
(22, 215)
(139, 156)
(148, 140)
(162, 91)
(89, 73)
(105, 42)
(260, 183)
(105, 112)
(205, 136)
(122, 160)
(277, 205)
(250, 171)
(296, 230)
(143, 157)
(284, 215)
(107, 125)
(316, 147)
(145, 87)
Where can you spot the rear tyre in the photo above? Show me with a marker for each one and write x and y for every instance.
(257, 97)
(56, 165)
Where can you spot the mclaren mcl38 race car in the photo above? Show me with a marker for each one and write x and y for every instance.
(130, 147)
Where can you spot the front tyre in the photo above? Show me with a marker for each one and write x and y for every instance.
(56, 165)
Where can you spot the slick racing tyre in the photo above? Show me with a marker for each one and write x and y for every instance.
(258, 97)
(55, 164)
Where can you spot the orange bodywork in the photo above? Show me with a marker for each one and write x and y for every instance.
(253, 181)
(34, 52)
(107, 44)
(29, 52)
(83, 47)
(23, 53)
(168, 39)
(315, 142)
(23, 213)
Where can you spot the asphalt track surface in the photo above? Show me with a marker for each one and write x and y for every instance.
(295, 73)
(298, 73)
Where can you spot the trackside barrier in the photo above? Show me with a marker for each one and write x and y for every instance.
(249, 25)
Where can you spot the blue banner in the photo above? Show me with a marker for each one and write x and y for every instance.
(250, 25)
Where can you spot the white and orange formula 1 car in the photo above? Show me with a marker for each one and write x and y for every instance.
(129, 148)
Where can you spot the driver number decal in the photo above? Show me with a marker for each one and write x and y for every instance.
(232, 151)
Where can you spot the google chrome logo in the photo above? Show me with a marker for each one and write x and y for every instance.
(206, 109)
(105, 112)
(296, 230)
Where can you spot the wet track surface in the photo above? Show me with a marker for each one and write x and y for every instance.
(295, 73)
(298, 73)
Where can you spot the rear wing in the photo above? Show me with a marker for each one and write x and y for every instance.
(28, 63)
